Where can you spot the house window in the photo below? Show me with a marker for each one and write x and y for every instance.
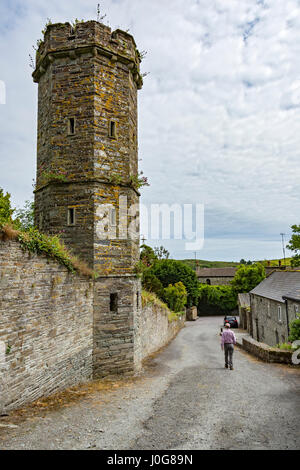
(71, 126)
(279, 314)
(137, 299)
(112, 129)
(208, 282)
(268, 310)
(296, 308)
(71, 216)
(113, 302)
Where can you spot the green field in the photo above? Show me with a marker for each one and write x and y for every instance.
(209, 264)
(225, 264)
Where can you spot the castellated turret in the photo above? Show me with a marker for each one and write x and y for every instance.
(87, 159)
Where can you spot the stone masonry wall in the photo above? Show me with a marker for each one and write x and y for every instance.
(215, 281)
(153, 330)
(267, 353)
(267, 326)
(46, 327)
(58, 329)
(114, 325)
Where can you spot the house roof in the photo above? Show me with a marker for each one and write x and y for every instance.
(244, 300)
(216, 272)
(280, 285)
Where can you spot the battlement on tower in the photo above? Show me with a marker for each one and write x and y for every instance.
(65, 40)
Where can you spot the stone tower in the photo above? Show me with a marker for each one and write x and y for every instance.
(87, 167)
(87, 142)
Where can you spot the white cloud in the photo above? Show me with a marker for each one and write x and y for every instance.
(219, 112)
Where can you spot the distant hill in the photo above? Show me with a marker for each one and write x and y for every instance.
(224, 264)
(209, 264)
(275, 262)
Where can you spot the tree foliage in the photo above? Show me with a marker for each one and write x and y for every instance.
(247, 277)
(172, 271)
(152, 284)
(295, 329)
(147, 256)
(176, 296)
(25, 216)
(6, 210)
(161, 252)
(294, 245)
(243, 261)
(220, 300)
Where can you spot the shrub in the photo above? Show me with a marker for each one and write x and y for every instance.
(152, 284)
(247, 277)
(295, 329)
(172, 316)
(152, 299)
(176, 296)
(172, 271)
(285, 346)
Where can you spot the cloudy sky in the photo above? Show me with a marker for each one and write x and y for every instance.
(218, 114)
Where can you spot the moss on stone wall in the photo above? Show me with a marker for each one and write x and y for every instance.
(51, 246)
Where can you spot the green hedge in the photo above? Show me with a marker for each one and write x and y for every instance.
(217, 300)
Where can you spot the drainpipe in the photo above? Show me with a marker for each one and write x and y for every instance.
(251, 317)
(287, 316)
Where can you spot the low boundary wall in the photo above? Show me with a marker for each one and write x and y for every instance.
(265, 352)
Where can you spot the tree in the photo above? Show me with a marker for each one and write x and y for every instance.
(161, 252)
(25, 217)
(6, 211)
(147, 256)
(176, 296)
(294, 245)
(151, 283)
(247, 277)
(243, 261)
(170, 271)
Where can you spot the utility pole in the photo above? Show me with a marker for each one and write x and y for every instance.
(283, 248)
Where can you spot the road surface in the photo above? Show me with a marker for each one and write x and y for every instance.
(184, 400)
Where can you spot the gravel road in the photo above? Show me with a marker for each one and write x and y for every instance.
(185, 399)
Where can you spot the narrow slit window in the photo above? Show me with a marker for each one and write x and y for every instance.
(113, 302)
(137, 299)
(71, 216)
(112, 129)
(71, 126)
(113, 217)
